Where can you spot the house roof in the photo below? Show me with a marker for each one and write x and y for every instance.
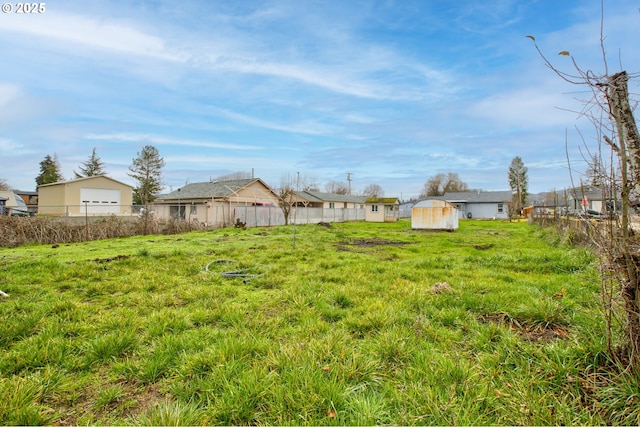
(316, 196)
(383, 200)
(591, 193)
(25, 193)
(477, 197)
(88, 178)
(208, 190)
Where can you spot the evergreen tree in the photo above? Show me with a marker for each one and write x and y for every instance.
(518, 183)
(92, 167)
(147, 170)
(49, 171)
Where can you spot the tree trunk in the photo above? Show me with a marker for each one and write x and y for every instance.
(629, 150)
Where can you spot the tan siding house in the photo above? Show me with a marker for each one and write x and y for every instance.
(94, 195)
(386, 209)
(216, 204)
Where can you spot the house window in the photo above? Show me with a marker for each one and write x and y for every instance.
(374, 208)
(500, 208)
(332, 205)
(193, 210)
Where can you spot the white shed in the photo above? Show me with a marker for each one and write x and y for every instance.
(434, 215)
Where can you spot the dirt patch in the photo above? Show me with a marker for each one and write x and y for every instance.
(115, 258)
(370, 242)
(483, 247)
(441, 288)
(370, 245)
(534, 333)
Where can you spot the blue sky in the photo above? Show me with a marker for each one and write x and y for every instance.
(392, 92)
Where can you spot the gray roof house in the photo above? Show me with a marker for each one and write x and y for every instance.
(317, 199)
(215, 203)
(480, 204)
(589, 198)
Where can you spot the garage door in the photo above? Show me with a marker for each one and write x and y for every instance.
(100, 201)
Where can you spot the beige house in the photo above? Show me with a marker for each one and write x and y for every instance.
(217, 204)
(94, 195)
(382, 209)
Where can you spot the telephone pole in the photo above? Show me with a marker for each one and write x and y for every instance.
(349, 181)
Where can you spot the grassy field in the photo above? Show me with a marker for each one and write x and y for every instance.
(359, 323)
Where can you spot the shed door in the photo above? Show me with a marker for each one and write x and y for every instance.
(99, 200)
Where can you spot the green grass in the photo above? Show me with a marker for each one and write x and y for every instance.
(347, 328)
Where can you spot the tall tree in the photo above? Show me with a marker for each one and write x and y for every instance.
(92, 167)
(49, 171)
(3, 184)
(518, 183)
(147, 170)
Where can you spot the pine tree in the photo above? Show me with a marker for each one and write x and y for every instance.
(147, 170)
(518, 183)
(49, 171)
(92, 167)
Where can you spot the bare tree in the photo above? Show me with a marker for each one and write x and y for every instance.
(373, 190)
(287, 194)
(336, 187)
(442, 183)
(234, 176)
(609, 109)
(3, 184)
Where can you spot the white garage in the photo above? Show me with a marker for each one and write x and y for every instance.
(100, 200)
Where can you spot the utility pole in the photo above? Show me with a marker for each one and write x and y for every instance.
(349, 181)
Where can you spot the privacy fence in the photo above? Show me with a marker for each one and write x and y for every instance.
(80, 223)
(210, 216)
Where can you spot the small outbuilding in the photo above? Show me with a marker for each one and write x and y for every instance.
(382, 209)
(434, 215)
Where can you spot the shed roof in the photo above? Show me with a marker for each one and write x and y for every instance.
(433, 203)
(383, 200)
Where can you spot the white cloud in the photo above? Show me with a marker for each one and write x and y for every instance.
(118, 37)
(9, 93)
(12, 148)
(309, 127)
(156, 139)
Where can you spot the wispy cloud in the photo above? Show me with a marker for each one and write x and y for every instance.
(95, 33)
(162, 140)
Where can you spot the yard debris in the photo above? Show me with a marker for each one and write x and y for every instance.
(441, 287)
(4, 294)
(246, 274)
